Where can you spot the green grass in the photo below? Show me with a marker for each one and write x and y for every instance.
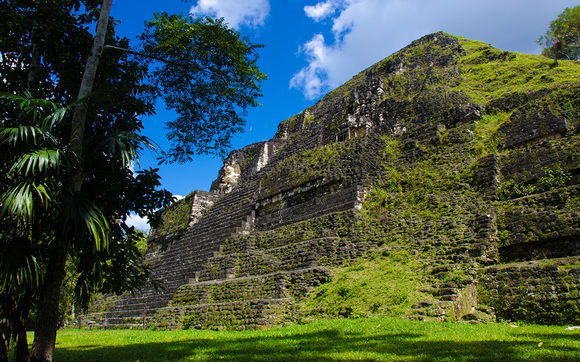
(342, 339)
(489, 73)
(485, 132)
(387, 284)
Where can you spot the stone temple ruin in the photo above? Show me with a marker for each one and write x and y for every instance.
(283, 213)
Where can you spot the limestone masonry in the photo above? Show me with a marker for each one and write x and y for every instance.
(464, 156)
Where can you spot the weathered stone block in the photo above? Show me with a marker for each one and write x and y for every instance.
(533, 291)
(527, 125)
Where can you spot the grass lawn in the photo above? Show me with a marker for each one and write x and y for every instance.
(358, 339)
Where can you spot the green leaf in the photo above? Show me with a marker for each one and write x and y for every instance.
(38, 161)
(22, 200)
(83, 217)
(54, 118)
(19, 264)
(210, 78)
(15, 136)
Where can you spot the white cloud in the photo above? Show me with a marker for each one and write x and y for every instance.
(321, 10)
(365, 31)
(311, 78)
(140, 223)
(235, 12)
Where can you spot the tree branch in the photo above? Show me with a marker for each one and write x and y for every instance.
(112, 47)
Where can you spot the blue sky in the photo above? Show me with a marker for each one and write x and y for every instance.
(313, 46)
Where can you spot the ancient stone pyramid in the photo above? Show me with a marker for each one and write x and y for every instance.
(462, 154)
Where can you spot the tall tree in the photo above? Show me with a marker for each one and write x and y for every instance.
(40, 207)
(209, 77)
(48, 317)
(562, 39)
(70, 199)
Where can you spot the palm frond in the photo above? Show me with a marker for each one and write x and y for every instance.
(44, 113)
(125, 149)
(57, 115)
(147, 142)
(54, 118)
(126, 146)
(15, 136)
(19, 265)
(27, 102)
(38, 161)
(22, 200)
(33, 107)
(83, 217)
(89, 275)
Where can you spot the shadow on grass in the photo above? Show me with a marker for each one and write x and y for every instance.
(320, 346)
(547, 336)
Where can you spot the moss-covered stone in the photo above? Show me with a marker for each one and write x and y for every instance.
(413, 189)
(174, 219)
(543, 291)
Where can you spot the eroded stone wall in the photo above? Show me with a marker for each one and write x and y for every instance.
(543, 291)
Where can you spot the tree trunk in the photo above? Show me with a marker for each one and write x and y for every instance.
(80, 114)
(22, 346)
(5, 327)
(32, 78)
(14, 310)
(23, 312)
(47, 319)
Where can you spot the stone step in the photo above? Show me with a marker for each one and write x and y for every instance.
(283, 284)
(289, 257)
(241, 314)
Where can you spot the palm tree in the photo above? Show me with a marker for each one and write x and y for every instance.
(40, 207)
(37, 205)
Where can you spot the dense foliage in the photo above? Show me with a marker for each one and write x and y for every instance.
(562, 39)
(209, 77)
(61, 199)
(43, 62)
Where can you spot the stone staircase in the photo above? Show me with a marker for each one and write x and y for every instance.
(257, 279)
(453, 272)
(183, 258)
(203, 252)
